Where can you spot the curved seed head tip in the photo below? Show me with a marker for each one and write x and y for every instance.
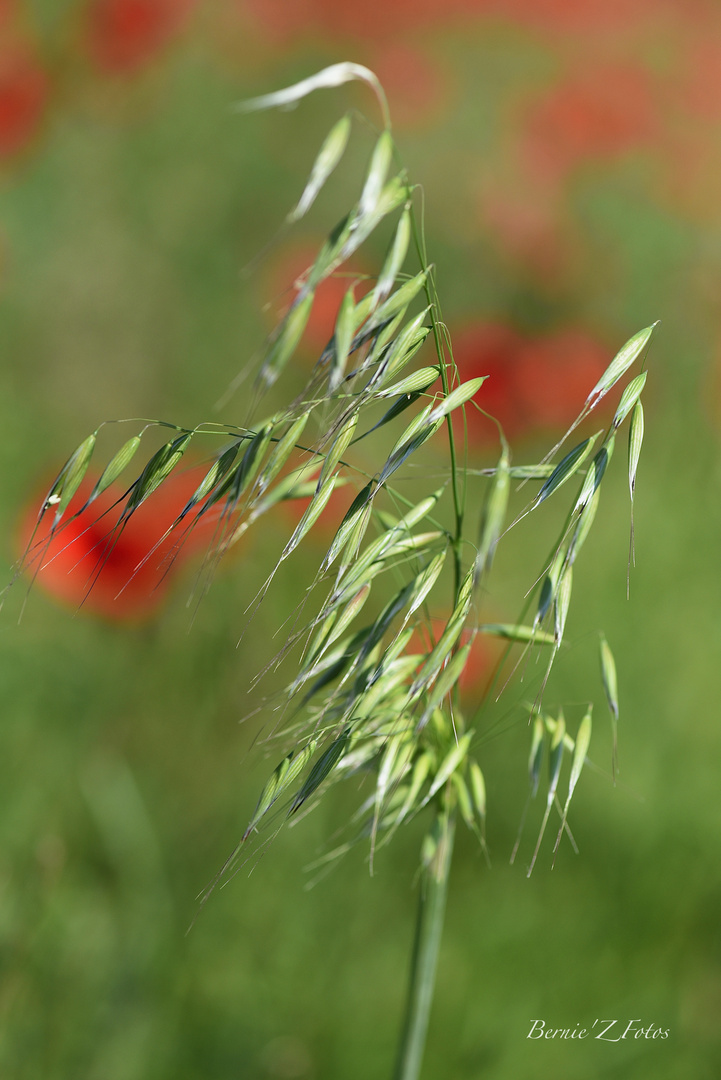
(620, 365)
(334, 75)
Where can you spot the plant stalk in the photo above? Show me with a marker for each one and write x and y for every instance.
(429, 929)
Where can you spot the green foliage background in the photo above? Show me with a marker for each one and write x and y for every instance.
(125, 777)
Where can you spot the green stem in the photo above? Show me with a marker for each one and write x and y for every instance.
(429, 929)
(433, 303)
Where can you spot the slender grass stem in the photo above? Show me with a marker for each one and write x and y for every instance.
(458, 508)
(429, 929)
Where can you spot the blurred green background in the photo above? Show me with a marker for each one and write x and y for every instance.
(569, 155)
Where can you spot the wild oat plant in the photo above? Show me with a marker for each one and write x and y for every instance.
(377, 697)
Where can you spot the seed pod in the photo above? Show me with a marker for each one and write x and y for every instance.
(620, 365)
(493, 516)
(453, 759)
(284, 775)
(157, 470)
(115, 467)
(395, 260)
(291, 331)
(281, 452)
(583, 739)
(457, 397)
(328, 157)
(377, 173)
(629, 398)
(72, 476)
(322, 768)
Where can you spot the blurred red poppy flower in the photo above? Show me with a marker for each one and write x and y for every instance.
(373, 20)
(23, 97)
(279, 283)
(579, 16)
(534, 385)
(601, 113)
(123, 35)
(484, 654)
(700, 91)
(119, 573)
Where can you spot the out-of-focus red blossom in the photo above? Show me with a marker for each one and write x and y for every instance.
(7, 8)
(24, 89)
(479, 668)
(377, 19)
(700, 90)
(601, 113)
(278, 283)
(123, 35)
(534, 384)
(373, 20)
(529, 231)
(484, 654)
(576, 16)
(88, 550)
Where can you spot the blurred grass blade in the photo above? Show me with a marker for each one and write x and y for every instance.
(328, 157)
